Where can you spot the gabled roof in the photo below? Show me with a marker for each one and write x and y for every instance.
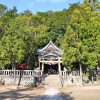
(50, 47)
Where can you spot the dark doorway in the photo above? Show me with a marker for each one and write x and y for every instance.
(48, 67)
(55, 67)
(62, 67)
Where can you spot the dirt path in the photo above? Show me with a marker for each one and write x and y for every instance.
(81, 93)
(20, 93)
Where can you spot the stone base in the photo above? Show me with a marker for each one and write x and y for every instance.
(73, 80)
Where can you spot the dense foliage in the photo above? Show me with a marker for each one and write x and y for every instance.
(76, 30)
(82, 38)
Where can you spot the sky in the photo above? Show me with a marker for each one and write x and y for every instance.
(38, 5)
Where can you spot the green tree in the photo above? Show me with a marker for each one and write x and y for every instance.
(58, 21)
(3, 10)
(37, 33)
(27, 13)
(92, 32)
(81, 41)
(72, 44)
(14, 43)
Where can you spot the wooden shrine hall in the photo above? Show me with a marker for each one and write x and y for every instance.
(50, 58)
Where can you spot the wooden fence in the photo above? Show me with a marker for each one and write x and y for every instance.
(19, 77)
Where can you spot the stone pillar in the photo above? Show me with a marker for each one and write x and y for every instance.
(59, 66)
(80, 70)
(42, 66)
(39, 67)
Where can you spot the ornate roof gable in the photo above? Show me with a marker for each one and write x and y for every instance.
(50, 48)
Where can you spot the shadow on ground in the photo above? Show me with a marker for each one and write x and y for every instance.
(53, 97)
(21, 94)
(67, 96)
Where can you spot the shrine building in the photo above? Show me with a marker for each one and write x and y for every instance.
(50, 57)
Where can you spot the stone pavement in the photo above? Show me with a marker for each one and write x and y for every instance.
(52, 92)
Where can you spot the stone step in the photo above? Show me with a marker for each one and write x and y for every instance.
(53, 81)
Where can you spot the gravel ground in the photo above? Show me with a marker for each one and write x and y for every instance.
(81, 93)
(21, 93)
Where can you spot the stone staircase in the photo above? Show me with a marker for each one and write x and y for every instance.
(53, 81)
(52, 84)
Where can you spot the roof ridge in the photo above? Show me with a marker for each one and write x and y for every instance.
(50, 43)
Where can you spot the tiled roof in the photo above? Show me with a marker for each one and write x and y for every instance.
(50, 48)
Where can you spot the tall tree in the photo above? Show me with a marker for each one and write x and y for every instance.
(81, 42)
(14, 43)
(72, 44)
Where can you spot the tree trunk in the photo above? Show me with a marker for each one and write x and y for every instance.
(92, 75)
(14, 68)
